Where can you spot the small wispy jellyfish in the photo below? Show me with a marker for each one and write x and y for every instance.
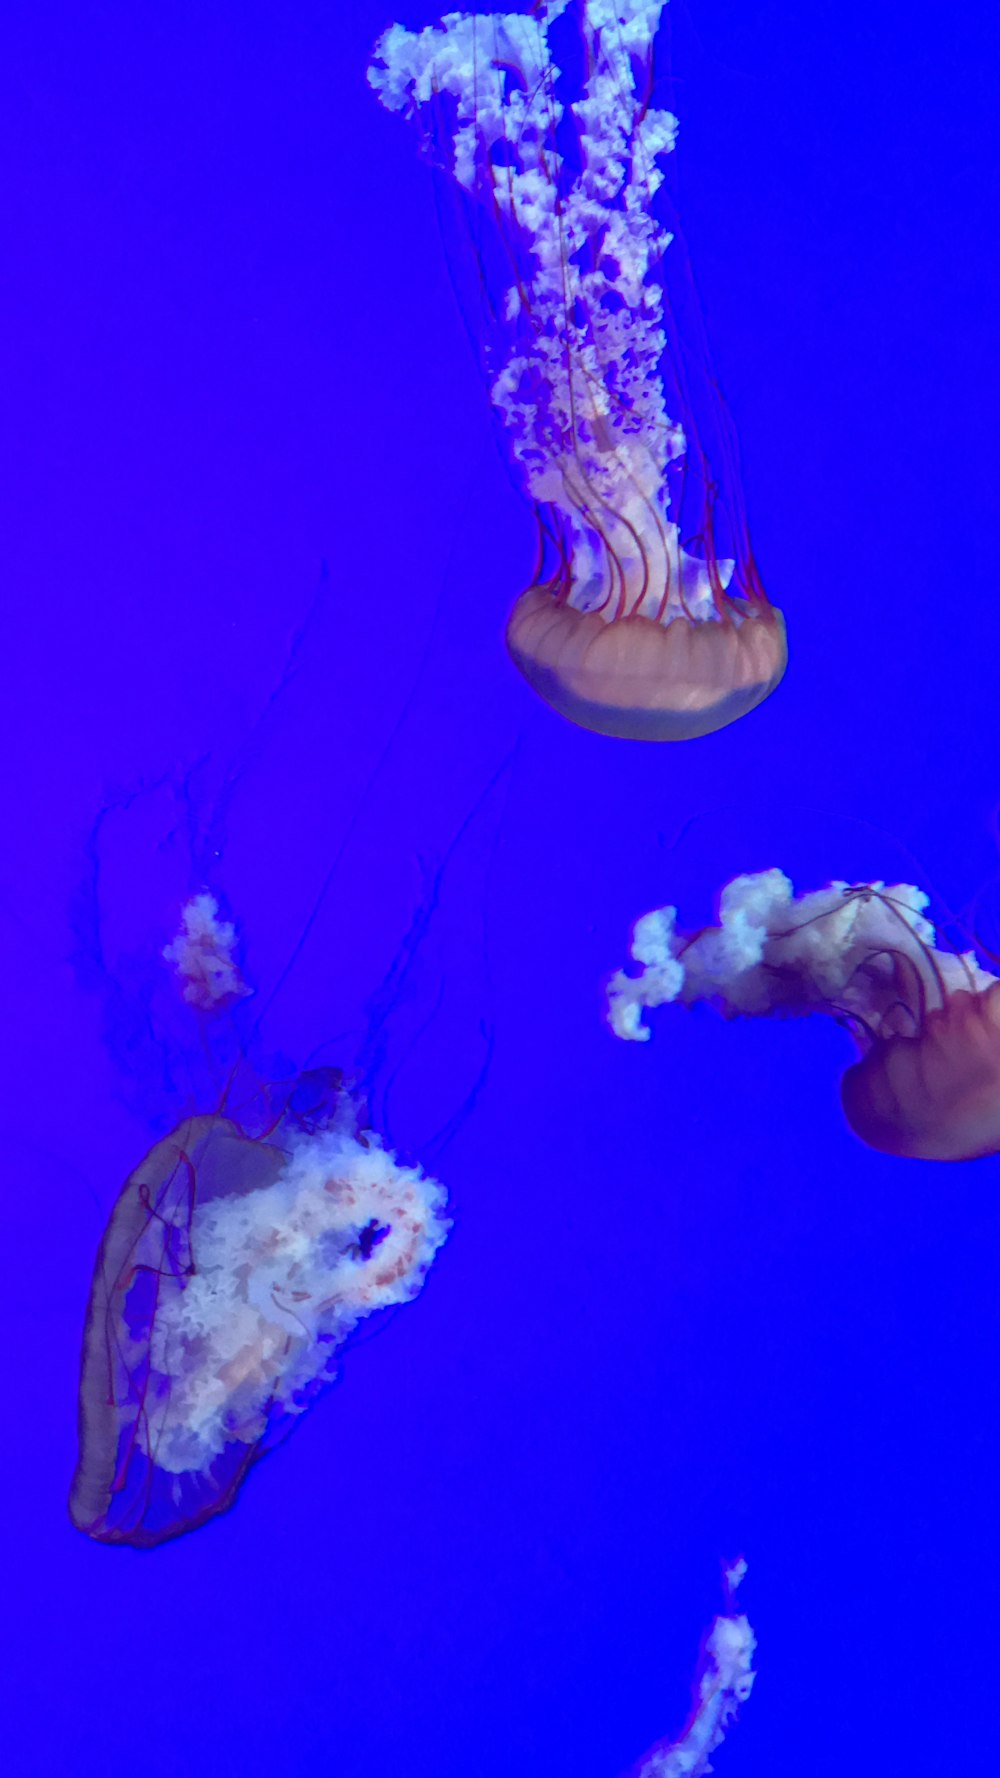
(202, 955)
(724, 1682)
(926, 1019)
(240, 1255)
(646, 618)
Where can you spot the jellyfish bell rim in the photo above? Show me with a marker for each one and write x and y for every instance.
(935, 1095)
(636, 679)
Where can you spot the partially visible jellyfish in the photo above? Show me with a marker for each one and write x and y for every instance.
(724, 1682)
(240, 1255)
(646, 618)
(926, 1019)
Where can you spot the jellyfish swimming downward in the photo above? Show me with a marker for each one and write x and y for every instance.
(926, 1019)
(647, 618)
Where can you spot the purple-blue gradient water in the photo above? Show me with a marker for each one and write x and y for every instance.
(683, 1313)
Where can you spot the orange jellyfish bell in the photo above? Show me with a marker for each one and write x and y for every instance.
(933, 1096)
(641, 679)
(646, 618)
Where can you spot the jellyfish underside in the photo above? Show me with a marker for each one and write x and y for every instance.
(935, 1095)
(637, 679)
(234, 1267)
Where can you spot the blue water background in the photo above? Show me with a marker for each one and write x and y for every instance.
(683, 1312)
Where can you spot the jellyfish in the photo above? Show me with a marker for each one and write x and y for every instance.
(724, 1682)
(646, 617)
(926, 1019)
(240, 1255)
(292, 1118)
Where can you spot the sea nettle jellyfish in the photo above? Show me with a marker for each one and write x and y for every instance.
(646, 617)
(241, 1253)
(293, 1106)
(926, 1020)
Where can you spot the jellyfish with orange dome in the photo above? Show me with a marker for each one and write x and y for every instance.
(646, 618)
(926, 1019)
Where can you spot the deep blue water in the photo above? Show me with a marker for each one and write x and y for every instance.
(683, 1312)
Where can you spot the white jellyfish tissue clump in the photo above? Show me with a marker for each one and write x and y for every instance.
(202, 955)
(725, 1681)
(863, 952)
(283, 1274)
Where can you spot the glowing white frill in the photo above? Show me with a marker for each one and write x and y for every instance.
(281, 1276)
(202, 954)
(862, 952)
(725, 1683)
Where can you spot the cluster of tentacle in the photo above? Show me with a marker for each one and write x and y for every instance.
(578, 337)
